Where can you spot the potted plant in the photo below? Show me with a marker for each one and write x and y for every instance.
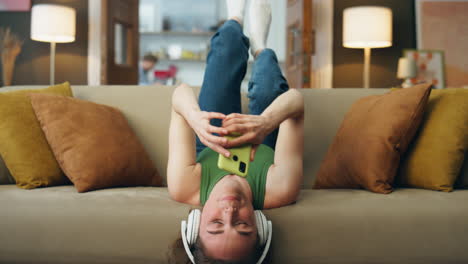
(10, 47)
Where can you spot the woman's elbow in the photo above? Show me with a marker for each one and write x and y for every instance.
(177, 91)
(300, 101)
(176, 195)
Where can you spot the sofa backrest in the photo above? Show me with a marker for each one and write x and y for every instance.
(147, 109)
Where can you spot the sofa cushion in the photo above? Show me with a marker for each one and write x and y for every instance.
(137, 225)
(435, 157)
(58, 225)
(374, 134)
(93, 143)
(23, 145)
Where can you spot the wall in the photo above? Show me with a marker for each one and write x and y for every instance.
(32, 65)
(444, 26)
(348, 63)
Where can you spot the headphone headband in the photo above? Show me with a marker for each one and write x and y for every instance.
(189, 230)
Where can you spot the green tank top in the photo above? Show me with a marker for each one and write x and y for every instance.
(258, 170)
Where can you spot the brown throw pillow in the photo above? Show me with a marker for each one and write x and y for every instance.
(93, 144)
(374, 134)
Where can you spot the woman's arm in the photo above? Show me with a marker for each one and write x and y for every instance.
(185, 104)
(288, 105)
(183, 173)
(285, 175)
(254, 128)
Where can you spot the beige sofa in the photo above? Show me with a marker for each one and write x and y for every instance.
(137, 225)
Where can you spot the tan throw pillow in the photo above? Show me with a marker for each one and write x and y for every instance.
(23, 145)
(435, 156)
(374, 134)
(93, 143)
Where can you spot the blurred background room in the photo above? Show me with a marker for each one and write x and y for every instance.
(153, 42)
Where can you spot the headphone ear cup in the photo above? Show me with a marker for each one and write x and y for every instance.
(262, 227)
(193, 226)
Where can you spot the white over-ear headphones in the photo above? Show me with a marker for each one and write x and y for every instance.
(190, 228)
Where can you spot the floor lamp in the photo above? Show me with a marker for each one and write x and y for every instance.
(367, 27)
(54, 24)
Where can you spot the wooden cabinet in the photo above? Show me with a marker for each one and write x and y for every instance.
(113, 42)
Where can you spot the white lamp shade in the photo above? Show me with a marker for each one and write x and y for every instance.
(53, 23)
(406, 68)
(367, 27)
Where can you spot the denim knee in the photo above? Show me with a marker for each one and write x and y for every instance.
(232, 39)
(231, 27)
(261, 96)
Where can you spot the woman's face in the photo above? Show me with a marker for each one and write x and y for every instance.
(227, 228)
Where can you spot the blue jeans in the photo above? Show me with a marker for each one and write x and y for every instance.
(225, 70)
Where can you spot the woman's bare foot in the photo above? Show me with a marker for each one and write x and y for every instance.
(260, 20)
(236, 10)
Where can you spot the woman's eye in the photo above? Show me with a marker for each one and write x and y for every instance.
(241, 223)
(217, 222)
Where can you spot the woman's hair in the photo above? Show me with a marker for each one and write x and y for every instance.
(177, 255)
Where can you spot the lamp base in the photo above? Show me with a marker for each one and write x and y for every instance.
(52, 63)
(366, 73)
(407, 83)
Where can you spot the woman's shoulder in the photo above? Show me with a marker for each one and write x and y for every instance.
(186, 189)
(281, 189)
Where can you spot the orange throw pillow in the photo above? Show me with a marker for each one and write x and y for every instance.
(371, 140)
(93, 144)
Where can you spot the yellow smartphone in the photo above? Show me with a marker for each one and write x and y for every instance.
(239, 161)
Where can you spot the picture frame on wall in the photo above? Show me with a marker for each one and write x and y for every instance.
(15, 5)
(430, 66)
(443, 25)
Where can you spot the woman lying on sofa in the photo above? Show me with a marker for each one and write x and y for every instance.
(228, 228)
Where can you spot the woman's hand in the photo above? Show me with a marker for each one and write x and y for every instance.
(200, 123)
(254, 129)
